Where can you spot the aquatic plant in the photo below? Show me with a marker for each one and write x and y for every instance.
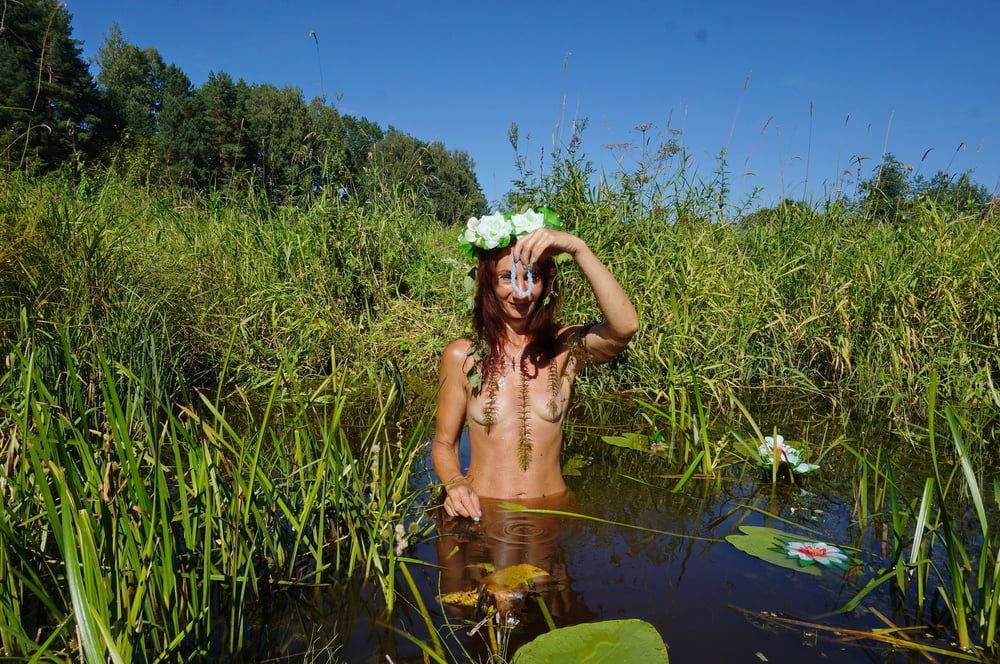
(610, 641)
(789, 550)
(821, 553)
(501, 588)
(150, 529)
(773, 451)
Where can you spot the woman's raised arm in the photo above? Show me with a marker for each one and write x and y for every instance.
(621, 322)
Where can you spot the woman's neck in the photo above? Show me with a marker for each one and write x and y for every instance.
(514, 339)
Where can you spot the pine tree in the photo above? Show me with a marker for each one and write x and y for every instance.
(50, 111)
(133, 81)
(222, 104)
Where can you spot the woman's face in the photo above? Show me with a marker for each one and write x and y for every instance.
(514, 306)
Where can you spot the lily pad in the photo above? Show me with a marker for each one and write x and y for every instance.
(610, 642)
(514, 576)
(632, 441)
(575, 465)
(771, 545)
(462, 597)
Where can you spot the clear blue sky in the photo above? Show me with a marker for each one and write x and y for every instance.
(908, 76)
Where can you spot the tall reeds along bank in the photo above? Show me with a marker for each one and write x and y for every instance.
(942, 547)
(828, 302)
(823, 300)
(132, 528)
(225, 277)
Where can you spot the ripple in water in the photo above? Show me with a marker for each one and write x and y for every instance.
(522, 530)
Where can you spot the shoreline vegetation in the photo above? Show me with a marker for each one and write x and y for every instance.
(212, 332)
(173, 425)
(829, 303)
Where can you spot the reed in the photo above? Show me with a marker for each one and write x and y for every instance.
(824, 302)
(134, 529)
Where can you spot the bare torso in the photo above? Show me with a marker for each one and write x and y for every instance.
(495, 469)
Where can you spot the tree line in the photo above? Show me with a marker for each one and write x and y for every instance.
(224, 133)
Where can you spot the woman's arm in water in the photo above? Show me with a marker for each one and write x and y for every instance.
(460, 499)
(621, 322)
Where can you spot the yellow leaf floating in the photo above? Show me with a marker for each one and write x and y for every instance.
(504, 586)
(462, 598)
(514, 576)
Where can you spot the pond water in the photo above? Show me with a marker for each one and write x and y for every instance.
(702, 594)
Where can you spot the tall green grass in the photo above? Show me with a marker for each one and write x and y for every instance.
(133, 528)
(822, 302)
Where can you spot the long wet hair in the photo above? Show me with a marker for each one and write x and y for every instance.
(487, 320)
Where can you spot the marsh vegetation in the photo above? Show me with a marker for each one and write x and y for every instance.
(215, 389)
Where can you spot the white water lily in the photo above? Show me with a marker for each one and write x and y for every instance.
(526, 222)
(492, 230)
(816, 552)
(786, 453)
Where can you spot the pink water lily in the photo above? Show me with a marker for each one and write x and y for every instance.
(816, 552)
(786, 454)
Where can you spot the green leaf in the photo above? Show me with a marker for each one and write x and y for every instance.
(610, 641)
(633, 441)
(550, 218)
(475, 378)
(763, 542)
(574, 465)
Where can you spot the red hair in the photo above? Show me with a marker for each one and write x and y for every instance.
(487, 320)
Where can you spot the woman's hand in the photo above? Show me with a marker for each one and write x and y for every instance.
(545, 242)
(461, 500)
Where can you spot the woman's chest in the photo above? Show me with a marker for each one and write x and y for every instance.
(515, 392)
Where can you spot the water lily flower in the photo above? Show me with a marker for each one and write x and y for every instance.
(822, 553)
(786, 454)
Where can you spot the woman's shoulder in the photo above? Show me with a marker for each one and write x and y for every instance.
(457, 352)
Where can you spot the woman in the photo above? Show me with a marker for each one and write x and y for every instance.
(512, 385)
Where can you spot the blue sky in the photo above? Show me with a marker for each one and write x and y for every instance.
(901, 76)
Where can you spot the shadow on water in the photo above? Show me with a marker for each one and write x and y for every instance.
(690, 585)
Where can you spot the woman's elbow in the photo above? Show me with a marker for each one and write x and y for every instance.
(627, 329)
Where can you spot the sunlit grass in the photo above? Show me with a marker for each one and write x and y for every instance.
(136, 529)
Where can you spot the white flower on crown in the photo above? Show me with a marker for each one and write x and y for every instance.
(526, 222)
(471, 226)
(492, 230)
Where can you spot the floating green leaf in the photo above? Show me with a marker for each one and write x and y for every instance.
(574, 465)
(611, 641)
(633, 441)
(771, 545)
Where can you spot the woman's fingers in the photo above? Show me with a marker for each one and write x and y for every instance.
(462, 501)
(535, 245)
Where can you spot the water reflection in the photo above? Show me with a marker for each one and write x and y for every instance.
(468, 552)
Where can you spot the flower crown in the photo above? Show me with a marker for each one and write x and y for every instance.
(497, 230)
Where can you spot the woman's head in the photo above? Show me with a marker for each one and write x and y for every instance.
(498, 304)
